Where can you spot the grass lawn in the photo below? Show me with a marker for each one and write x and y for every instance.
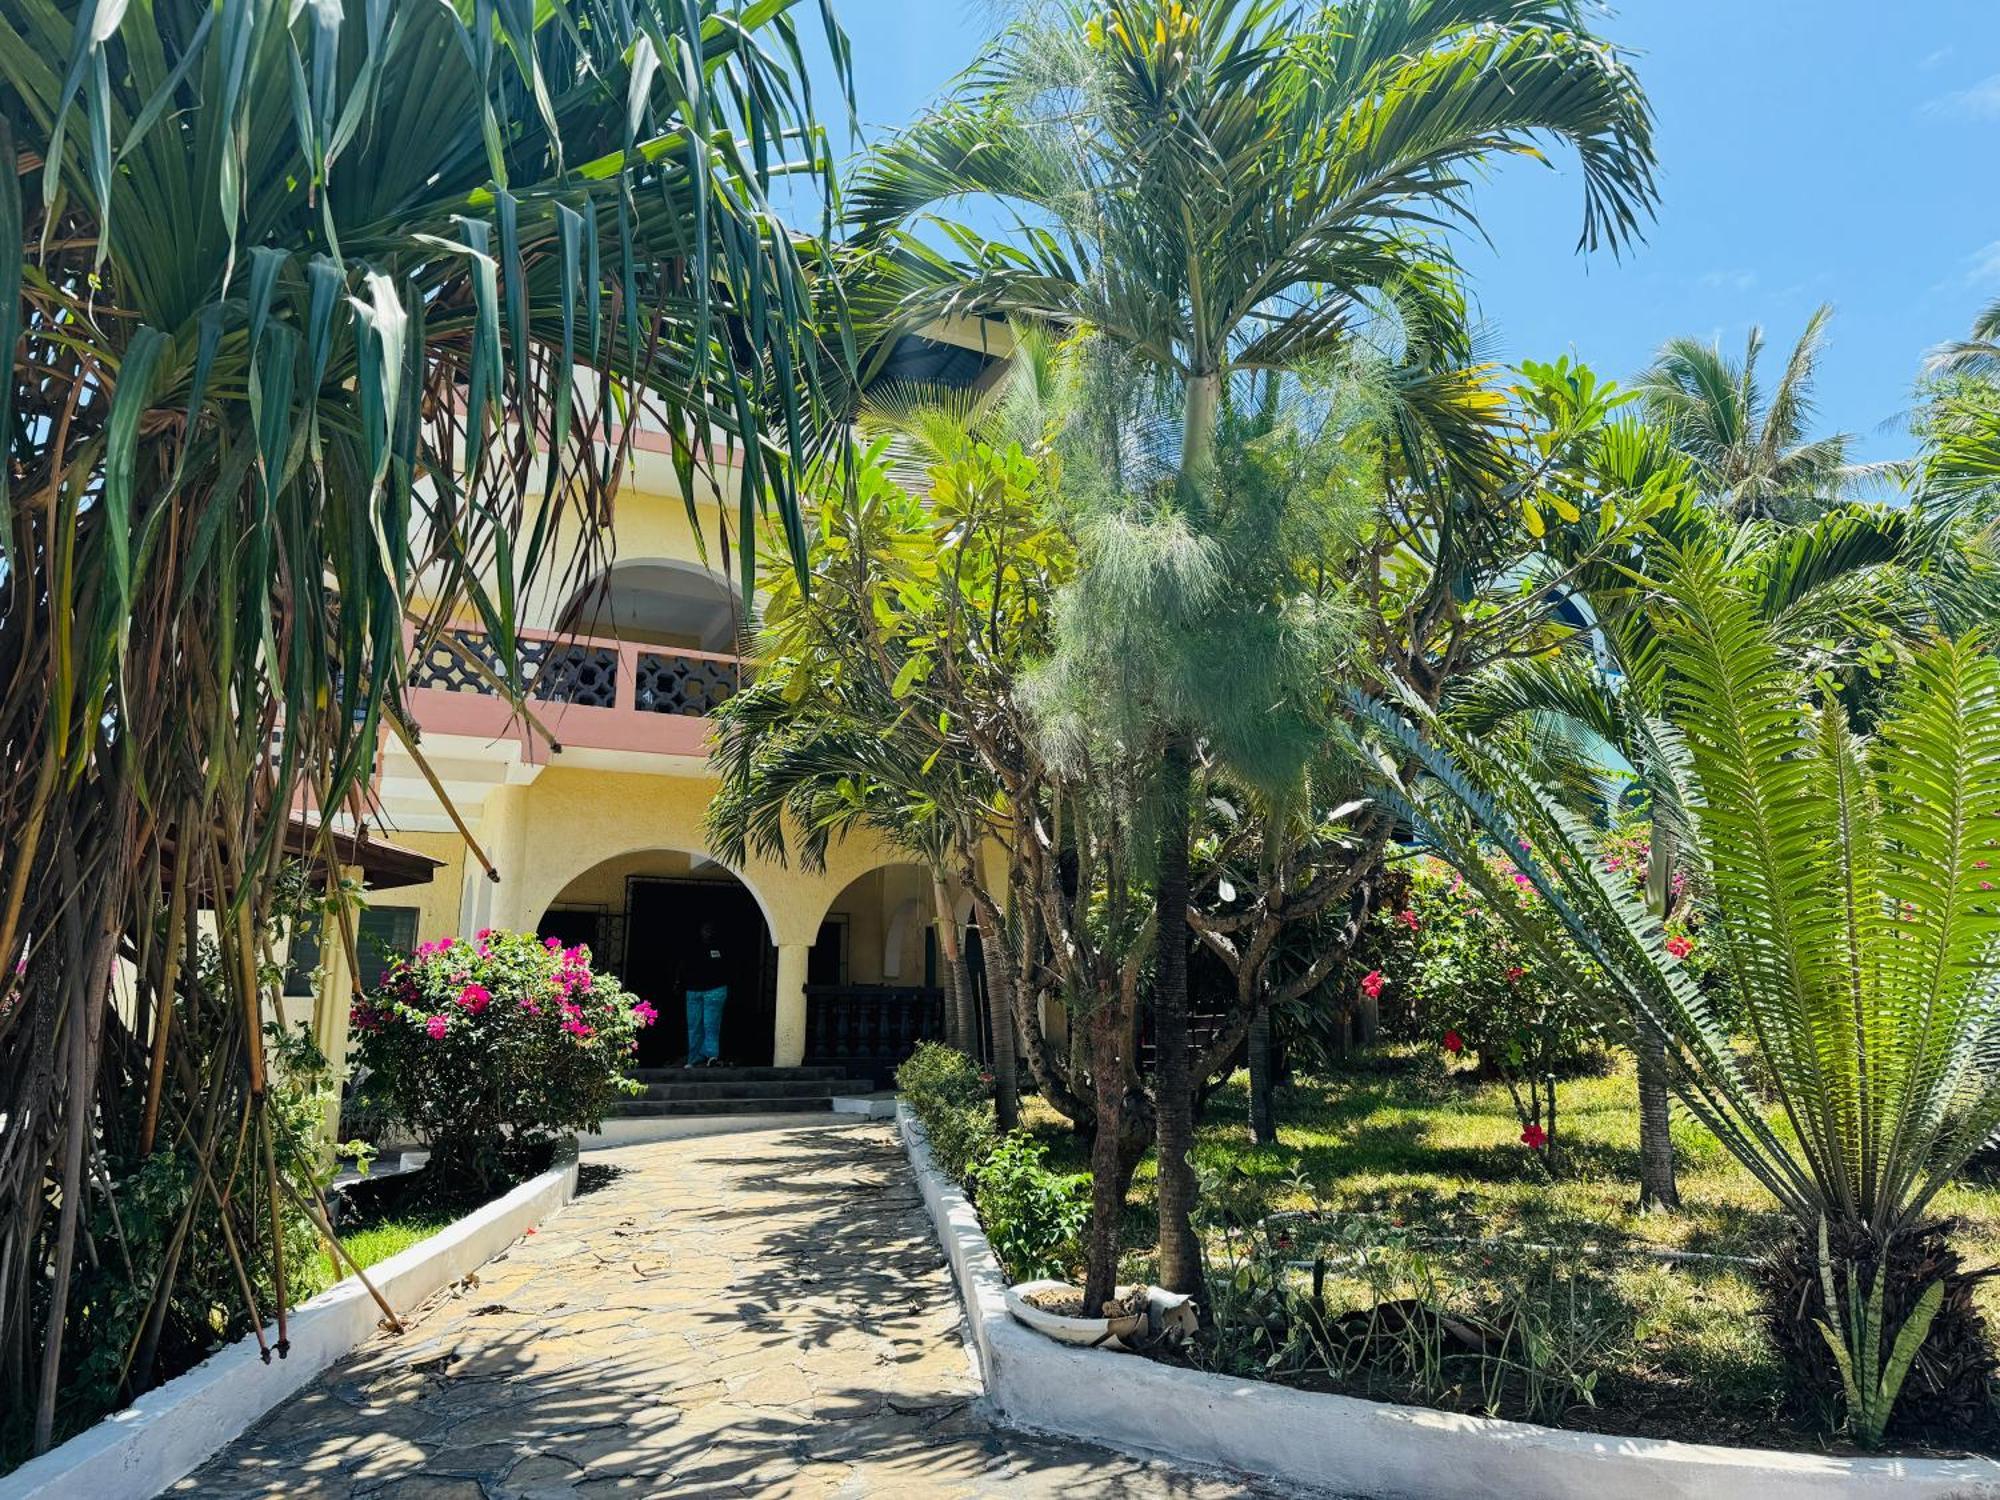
(376, 1242)
(1444, 1162)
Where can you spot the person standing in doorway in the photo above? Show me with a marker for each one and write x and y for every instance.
(706, 974)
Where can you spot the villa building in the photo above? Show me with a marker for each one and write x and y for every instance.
(592, 819)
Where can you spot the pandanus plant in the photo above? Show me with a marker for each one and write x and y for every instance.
(1853, 884)
(294, 300)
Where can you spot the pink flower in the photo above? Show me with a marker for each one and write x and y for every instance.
(1615, 863)
(483, 934)
(1409, 920)
(576, 1028)
(475, 998)
(1371, 984)
(436, 1026)
(644, 1014)
(1680, 947)
(1520, 879)
(1534, 1137)
(554, 945)
(1453, 1042)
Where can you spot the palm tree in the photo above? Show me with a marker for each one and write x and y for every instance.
(1227, 187)
(294, 300)
(1978, 354)
(1957, 472)
(1852, 904)
(1751, 452)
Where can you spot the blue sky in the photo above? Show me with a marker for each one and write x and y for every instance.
(1811, 150)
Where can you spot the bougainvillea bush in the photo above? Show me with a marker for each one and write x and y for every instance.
(495, 1048)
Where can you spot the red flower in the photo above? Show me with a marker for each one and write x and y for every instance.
(1371, 984)
(1409, 920)
(1680, 947)
(1453, 1042)
(1515, 973)
(1534, 1137)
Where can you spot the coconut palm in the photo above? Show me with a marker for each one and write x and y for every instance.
(294, 298)
(1232, 186)
(1752, 452)
(1852, 900)
(1978, 354)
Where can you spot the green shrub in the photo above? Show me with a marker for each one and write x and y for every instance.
(947, 1092)
(492, 1050)
(1034, 1217)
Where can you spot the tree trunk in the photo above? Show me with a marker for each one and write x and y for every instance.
(1263, 1117)
(1000, 1019)
(1656, 1143)
(1180, 1248)
(958, 1013)
(1107, 1190)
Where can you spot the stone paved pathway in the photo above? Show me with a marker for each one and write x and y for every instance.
(763, 1313)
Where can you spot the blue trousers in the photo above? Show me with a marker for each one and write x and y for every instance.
(704, 1017)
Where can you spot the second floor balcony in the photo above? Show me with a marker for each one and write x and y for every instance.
(591, 692)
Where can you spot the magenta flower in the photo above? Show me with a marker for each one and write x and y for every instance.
(644, 1014)
(554, 945)
(475, 997)
(436, 1026)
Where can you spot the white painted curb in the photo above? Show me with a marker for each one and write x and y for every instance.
(172, 1430)
(1356, 1447)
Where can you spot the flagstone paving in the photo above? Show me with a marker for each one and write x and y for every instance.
(764, 1313)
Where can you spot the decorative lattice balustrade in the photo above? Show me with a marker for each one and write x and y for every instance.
(630, 682)
(670, 683)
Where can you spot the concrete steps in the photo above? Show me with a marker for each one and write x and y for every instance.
(736, 1091)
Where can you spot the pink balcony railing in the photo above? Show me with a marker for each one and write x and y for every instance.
(591, 693)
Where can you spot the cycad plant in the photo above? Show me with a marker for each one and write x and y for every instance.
(1853, 898)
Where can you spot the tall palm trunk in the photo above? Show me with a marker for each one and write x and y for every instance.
(999, 1017)
(1657, 1188)
(1180, 1250)
(1259, 1043)
(961, 1011)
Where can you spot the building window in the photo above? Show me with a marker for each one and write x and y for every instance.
(826, 960)
(382, 934)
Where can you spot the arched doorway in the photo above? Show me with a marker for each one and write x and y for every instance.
(643, 915)
(872, 977)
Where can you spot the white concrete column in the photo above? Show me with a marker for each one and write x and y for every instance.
(503, 833)
(788, 1048)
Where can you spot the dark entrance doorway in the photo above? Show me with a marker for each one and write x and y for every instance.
(663, 917)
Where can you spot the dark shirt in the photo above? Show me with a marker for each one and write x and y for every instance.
(706, 966)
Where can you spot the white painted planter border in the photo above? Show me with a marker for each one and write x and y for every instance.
(169, 1432)
(1357, 1447)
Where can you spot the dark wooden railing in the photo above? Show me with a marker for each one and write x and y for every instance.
(867, 1030)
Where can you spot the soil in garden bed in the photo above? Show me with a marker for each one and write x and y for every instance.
(1625, 1407)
